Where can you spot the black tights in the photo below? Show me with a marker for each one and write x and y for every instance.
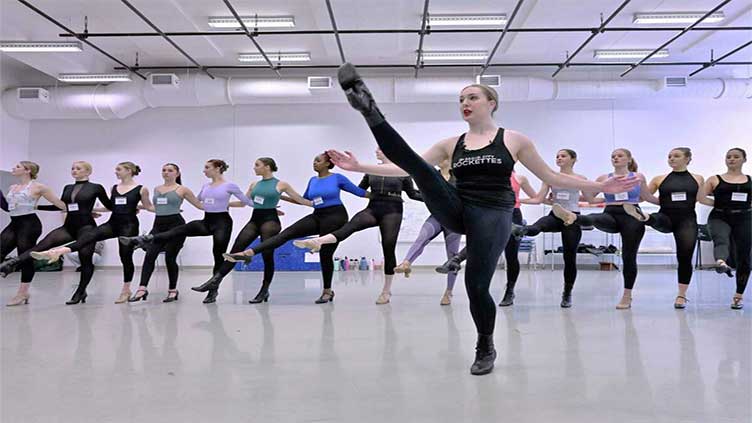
(615, 220)
(725, 227)
(21, 235)
(486, 229)
(171, 249)
(387, 215)
(249, 233)
(683, 224)
(570, 240)
(216, 225)
(118, 225)
(75, 226)
(321, 222)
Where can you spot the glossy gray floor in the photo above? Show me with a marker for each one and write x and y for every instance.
(292, 361)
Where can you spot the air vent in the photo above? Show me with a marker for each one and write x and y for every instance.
(31, 95)
(490, 80)
(160, 80)
(319, 82)
(674, 81)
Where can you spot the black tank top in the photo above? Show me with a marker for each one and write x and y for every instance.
(482, 175)
(125, 203)
(678, 191)
(729, 196)
(389, 188)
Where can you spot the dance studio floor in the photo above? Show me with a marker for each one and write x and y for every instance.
(352, 361)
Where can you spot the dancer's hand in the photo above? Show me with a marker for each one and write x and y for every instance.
(345, 161)
(622, 183)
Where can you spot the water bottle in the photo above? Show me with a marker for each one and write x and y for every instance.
(363, 265)
(337, 264)
(346, 263)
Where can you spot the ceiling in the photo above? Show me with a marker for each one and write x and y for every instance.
(20, 23)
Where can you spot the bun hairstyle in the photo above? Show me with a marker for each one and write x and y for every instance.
(686, 151)
(632, 165)
(219, 164)
(32, 167)
(179, 179)
(741, 150)
(328, 158)
(269, 162)
(490, 94)
(85, 165)
(134, 168)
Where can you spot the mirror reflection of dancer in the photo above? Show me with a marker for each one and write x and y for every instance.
(481, 204)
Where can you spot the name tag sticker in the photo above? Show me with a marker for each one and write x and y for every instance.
(209, 201)
(121, 201)
(678, 196)
(562, 196)
(621, 196)
(318, 201)
(72, 207)
(258, 199)
(738, 196)
(162, 201)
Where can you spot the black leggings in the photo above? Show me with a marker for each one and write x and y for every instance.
(21, 235)
(724, 227)
(511, 253)
(321, 222)
(615, 220)
(683, 224)
(264, 223)
(570, 240)
(171, 249)
(216, 225)
(486, 229)
(75, 226)
(385, 214)
(118, 225)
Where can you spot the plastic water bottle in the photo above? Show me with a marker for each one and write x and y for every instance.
(337, 264)
(363, 265)
(373, 264)
(346, 264)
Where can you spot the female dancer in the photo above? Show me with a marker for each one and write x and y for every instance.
(731, 218)
(614, 218)
(166, 202)
(79, 199)
(431, 229)
(24, 228)
(570, 235)
(677, 197)
(481, 204)
(328, 215)
(124, 197)
(264, 222)
(511, 251)
(217, 223)
(383, 210)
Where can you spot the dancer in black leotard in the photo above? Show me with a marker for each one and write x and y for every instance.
(731, 219)
(124, 197)
(677, 197)
(385, 211)
(79, 199)
(24, 228)
(481, 204)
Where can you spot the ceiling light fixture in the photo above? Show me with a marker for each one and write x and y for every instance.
(94, 77)
(675, 18)
(628, 54)
(252, 22)
(467, 21)
(275, 57)
(40, 46)
(454, 56)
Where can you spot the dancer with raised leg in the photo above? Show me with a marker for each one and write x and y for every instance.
(24, 228)
(329, 214)
(481, 204)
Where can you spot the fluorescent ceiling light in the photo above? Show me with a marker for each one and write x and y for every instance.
(467, 20)
(675, 18)
(454, 56)
(275, 57)
(94, 77)
(628, 54)
(252, 22)
(40, 46)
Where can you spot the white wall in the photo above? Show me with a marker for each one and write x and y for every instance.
(294, 134)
